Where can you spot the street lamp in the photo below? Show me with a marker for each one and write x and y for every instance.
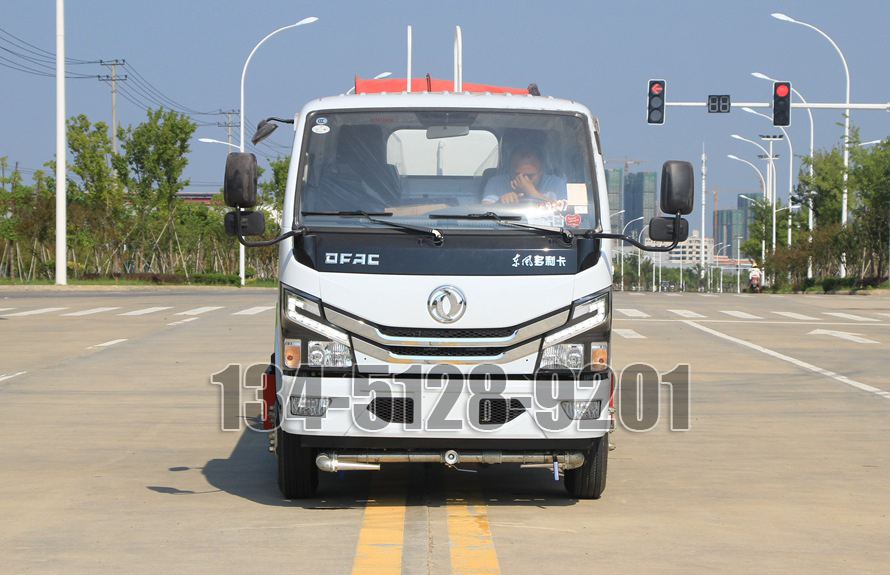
(756, 169)
(790, 166)
(640, 255)
(784, 18)
(721, 267)
(377, 77)
(762, 241)
(738, 261)
(770, 177)
(309, 20)
(621, 249)
(212, 141)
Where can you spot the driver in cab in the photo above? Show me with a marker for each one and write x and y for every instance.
(525, 181)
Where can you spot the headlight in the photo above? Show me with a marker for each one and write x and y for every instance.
(296, 307)
(328, 354)
(594, 310)
(296, 304)
(563, 356)
(582, 409)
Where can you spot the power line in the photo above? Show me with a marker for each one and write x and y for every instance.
(40, 51)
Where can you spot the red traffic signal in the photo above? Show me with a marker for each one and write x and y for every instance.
(781, 103)
(655, 107)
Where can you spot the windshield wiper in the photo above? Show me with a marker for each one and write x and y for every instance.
(438, 237)
(510, 221)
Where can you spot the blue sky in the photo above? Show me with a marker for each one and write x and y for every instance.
(598, 53)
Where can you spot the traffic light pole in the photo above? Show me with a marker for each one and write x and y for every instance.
(810, 105)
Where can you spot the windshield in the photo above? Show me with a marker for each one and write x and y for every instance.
(416, 164)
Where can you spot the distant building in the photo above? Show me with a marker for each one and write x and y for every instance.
(730, 225)
(748, 213)
(616, 197)
(639, 199)
(688, 253)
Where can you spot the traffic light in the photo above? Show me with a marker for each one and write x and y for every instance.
(655, 112)
(781, 103)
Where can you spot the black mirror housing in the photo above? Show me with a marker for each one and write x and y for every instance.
(252, 223)
(677, 188)
(263, 130)
(239, 188)
(662, 229)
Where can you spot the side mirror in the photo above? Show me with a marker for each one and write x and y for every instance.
(239, 187)
(263, 130)
(252, 223)
(677, 189)
(662, 230)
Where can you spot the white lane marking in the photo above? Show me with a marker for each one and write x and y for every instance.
(673, 295)
(254, 310)
(5, 377)
(686, 313)
(91, 311)
(742, 295)
(628, 333)
(145, 311)
(843, 335)
(632, 312)
(740, 314)
(6, 308)
(108, 343)
(199, 310)
(633, 293)
(797, 362)
(794, 315)
(182, 321)
(708, 295)
(884, 314)
(35, 311)
(848, 316)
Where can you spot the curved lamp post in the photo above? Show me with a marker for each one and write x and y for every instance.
(308, 20)
(784, 18)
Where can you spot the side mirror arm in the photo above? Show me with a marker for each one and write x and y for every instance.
(635, 243)
(297, 232)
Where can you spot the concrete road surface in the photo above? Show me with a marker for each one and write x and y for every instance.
(113, 460)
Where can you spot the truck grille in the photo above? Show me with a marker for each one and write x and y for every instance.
(421, 333)
(448, 351)
(499, 411)
(393, 409)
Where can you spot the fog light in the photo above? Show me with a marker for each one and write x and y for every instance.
(292, 353)
(599, 357)
(582, 409)
(563, 356)
(309, 406)
(328, 354)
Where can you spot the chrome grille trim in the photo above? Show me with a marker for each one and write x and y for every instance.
(371, 333)
(386, 355)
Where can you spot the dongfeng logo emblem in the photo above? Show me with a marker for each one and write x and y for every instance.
(447, 304)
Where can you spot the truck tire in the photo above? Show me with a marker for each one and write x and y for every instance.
(297, 472)
(589, 480)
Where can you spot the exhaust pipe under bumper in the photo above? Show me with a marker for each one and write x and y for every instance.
(371, 460)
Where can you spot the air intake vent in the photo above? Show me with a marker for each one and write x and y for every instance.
(393, 409)
(499, 411)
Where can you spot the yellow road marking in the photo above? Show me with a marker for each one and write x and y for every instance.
(379, 549)
(472, 549)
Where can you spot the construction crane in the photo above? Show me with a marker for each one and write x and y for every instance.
(627, 162)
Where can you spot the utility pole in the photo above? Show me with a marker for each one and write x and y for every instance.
(228, 123)
(704, 173)
(113, 80)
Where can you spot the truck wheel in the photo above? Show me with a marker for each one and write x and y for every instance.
(297, 472)
(589, 480)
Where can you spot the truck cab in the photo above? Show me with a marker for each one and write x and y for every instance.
(445, 285)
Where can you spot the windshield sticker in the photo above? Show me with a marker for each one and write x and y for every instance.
(321, 129)
(577, 194)
(581, 210)
(573, 220)
(321, 121)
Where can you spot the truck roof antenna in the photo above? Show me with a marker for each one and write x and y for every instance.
(458, 61)
(408, 88)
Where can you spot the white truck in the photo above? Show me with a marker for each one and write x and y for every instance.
(434, 306)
